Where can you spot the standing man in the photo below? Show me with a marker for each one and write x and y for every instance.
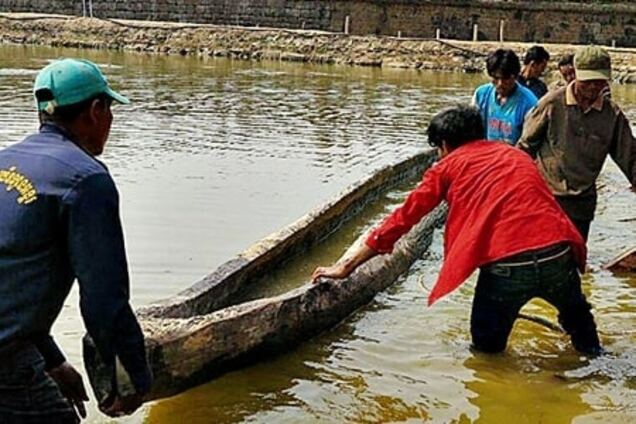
(59, 221)
(566, 71)
(503, 103)
(572, 132)
(534, 63)
(497, 199)
(568, 74)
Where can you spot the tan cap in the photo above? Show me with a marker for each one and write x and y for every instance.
(592, 63)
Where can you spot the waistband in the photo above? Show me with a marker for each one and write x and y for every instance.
(534, 256)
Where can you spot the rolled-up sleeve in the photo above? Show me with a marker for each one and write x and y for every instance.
(97, 252)
(428, 194)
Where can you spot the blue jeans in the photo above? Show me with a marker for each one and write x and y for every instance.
(27, 394)
(505, 286)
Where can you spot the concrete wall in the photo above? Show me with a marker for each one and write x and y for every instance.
(524, 20)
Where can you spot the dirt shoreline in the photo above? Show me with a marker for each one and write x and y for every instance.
(272, 44)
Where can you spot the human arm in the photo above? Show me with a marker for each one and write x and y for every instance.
(71, 385)
(535, 127)
(540, 89)
(473, 100)
(50, 351)
(342, 269)
(481, 101)
(63, 373)
(429, 193)
(97, 253)
(623, 149)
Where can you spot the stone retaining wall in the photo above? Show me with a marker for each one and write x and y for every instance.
(553, 22)
(271, 44)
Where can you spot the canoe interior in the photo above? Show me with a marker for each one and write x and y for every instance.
(221, 288)
(296, 271)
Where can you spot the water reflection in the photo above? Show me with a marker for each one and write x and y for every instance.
(523, 388)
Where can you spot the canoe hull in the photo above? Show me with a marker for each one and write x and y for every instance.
(184, 352)
(625, 262)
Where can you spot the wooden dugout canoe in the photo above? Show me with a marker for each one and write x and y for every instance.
(199, 333)
(625, 262)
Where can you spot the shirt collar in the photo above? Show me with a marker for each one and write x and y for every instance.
(570, 99)
(50, 127)
(56, 129)
(513, 92)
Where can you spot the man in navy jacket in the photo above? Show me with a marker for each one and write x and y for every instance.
(59, 221)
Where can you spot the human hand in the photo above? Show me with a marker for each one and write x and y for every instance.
(333, 271)
(118, 406)
(345, 266)
(71, 385)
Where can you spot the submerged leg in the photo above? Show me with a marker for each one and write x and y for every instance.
(574, 311)
(495, 307)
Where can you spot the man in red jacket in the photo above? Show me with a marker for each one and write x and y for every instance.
(503, 219)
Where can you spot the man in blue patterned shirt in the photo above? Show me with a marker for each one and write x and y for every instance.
(503, 103)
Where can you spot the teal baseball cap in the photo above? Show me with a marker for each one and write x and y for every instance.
(69, 81)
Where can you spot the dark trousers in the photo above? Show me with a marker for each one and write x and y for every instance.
(580, 209)
(27, 394)
(583, 226)
(504, 287)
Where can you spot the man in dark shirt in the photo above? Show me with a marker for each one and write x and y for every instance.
(59, 221)
(566, 68)
(534, 64)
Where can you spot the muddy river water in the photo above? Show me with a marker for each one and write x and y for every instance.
(214, 154)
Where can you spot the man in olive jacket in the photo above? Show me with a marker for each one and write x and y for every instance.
(573, 130)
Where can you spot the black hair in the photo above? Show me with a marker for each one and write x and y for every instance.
(66, 114)
(536, 54)
(566, 60)
(455, 125)
(504, 60)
